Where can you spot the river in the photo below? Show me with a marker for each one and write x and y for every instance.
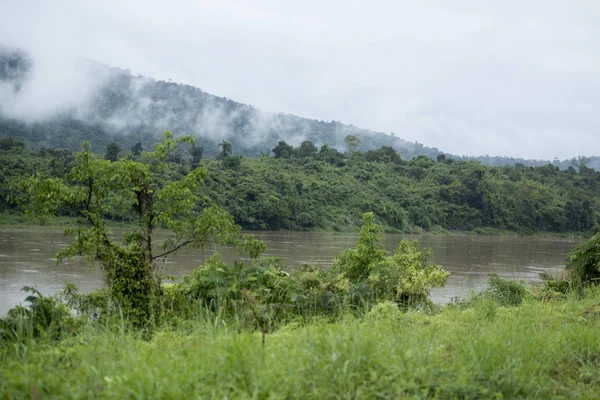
(27, 258)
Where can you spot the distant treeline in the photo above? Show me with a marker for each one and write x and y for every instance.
(320, 188)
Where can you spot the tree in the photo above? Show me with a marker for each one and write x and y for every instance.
(9, 144)
(137, 149)
(283, 150)
(352, 142)
(331, 155)
(225, 149)
(197, 151)
(96, 188)
(385, 154)
(112, 151)
(307, 149)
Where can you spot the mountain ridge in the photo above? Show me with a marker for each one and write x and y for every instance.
(128, 108)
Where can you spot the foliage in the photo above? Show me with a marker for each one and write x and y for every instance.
(260, 294)
(9, 144)
(584, 260)
(96, 188)
(363, 275)
(352, 141)
(283, 150)
(506, 293)
(538, 350)
(557, 287)
(308, 193)
(42, 316)
(404, 277)
(357, 264)
(136, 149)
(112, 151)
(196, 152)
(225, 149)
(329, 191)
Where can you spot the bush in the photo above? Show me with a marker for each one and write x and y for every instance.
(47, 317)
(261, 293)
(506, 293)
(404, 277)
(584, 261)
(387, 311)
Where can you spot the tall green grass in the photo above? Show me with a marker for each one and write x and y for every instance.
(477, 350)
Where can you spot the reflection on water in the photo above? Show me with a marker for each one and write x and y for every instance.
(27, 258)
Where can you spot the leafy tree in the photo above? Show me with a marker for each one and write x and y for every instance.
(232, 162)
(196, 152)
(225, 149)
(307, 149)
(9, 144)
(95, 188)
(137, 149)
(330, 155)
(283, 150)
(352, 141)
(385, 154)
(112, 151)
(356, 264)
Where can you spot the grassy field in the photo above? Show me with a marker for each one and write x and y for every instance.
(540, 349)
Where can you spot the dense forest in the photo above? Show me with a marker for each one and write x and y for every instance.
(126, 108)
(291, 172)
(311, 188)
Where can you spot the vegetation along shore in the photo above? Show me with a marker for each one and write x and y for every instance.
(364, 328)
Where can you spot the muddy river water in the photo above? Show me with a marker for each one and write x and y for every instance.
(27, 258)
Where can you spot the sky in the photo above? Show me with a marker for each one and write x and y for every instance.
(513, 78)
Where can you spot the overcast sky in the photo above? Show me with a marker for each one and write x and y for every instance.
(516, 78)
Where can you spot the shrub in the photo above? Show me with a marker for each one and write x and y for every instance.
(387, 311)
(47, 317)
(506, 293)
(583, 261)
(260, 293)
(404, 277)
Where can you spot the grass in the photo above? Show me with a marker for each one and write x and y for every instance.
(475, 350)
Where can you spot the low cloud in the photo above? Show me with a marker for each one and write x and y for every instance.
(509, 78)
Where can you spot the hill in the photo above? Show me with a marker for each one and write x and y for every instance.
(127, 108)
(106, 104)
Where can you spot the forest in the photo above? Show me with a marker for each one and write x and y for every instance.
(311, 188)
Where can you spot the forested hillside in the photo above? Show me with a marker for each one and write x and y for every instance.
(126, 108)
(308, 188)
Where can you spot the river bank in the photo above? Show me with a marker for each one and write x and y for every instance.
(540, 349)
(7, 218)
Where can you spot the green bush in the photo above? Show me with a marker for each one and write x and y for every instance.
(506, 293)
(584, 261)
(42, 316)
(404, 277)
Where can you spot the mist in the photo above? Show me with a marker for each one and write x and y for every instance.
(493, 78)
